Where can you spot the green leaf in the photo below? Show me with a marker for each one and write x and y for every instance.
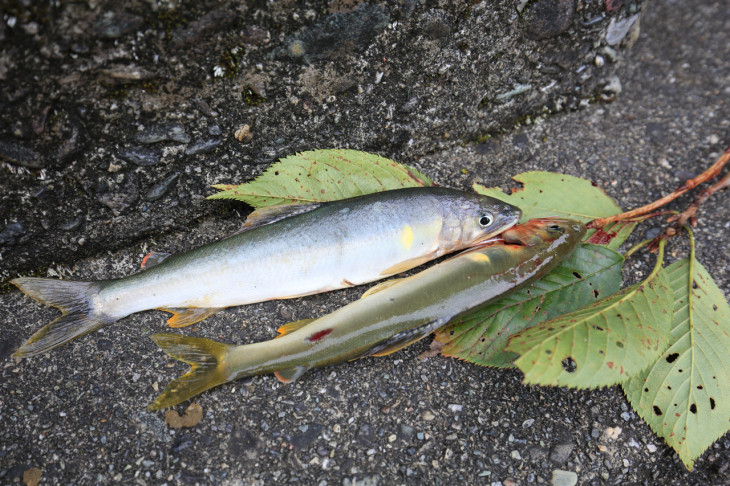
(685, 395)
(481, 335)
(546, 194)
(323, 175)
(602, 344)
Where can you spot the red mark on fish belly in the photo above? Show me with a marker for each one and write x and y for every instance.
(601, 237)
(319, 335)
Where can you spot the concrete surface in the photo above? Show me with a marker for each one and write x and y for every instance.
(78, 413)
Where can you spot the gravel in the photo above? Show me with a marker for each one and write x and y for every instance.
(78, 413)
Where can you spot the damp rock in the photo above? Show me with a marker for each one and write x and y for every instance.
(113, 25)
(435, 25)
(561, 452)
(307, 437)
(142, 156)
(10, 234)
(203, 146)
(72, 224)
(213, 21)
(549, 18)
(164, 132)
(19, 155)
(161, 188)
(618, 29)
(122, 74)
(73, 141)
(252, 34)
(337, 34)
(122, 197)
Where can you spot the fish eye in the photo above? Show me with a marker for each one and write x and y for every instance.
(486, 220)
(555, 227)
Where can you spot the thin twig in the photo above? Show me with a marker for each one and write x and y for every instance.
(710, 173)
(689, 213)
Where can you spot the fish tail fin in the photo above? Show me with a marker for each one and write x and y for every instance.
(76, 300)
(208, 367)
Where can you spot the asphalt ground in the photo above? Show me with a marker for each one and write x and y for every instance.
(78, 413)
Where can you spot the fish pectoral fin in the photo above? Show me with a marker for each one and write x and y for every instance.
(272, 214)
(404, 338)
(408, 264)
(290, 374)
(381, 286)
(292, 326)
(154, 258)
(188, 315)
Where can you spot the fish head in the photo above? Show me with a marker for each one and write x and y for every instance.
(482, 217)
(546, 231)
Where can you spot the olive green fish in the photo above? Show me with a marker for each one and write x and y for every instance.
(390, 316)
(284, 252)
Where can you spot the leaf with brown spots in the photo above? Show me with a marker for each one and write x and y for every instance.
(323, 175)
(685, 395)
(545, 194)
(481, 335)
(192, 417)
(602, 344)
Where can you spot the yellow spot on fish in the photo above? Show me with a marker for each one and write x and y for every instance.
(479, 257)
(406, 238)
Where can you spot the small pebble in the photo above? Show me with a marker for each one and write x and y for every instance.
(164, 132)
(203, 146)
(140, 156)
(161, 188)
(564, 478)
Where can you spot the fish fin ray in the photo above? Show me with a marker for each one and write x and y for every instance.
(207, 360)
(290, 374)
(154, 258)
(404, 339)
(272, 214)
(381, 286)
(185, 316)
(292, 326)
(408, 264)
(74, 299)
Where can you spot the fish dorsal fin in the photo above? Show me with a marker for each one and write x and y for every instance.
(381, 286)
(292, 326)
(272, 214)
(408, 264)
(186, 316)
(404, 338)
(290, 374)
(154, 258)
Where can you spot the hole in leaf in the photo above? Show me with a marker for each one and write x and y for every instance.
(577, 275)
(657, 410)
(600, 351)
(694, 285)
(714, 307)
(672, 357)
(569, 365)
(547, 351)
(680, 370)
(700, 387)
(712, 403)
(646, 390)
(595, 294)
(597, 328)
(669, 387)
(619, 344)
(484, 339)
(693, 408)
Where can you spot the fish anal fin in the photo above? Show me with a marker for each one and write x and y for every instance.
(408, 264)
(292, 326)
(188, 315)
(381, 286)
(404, 339)
(272, 214)
(290, 374)
(153, 258)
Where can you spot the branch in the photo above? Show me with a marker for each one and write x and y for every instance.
(710, 173)
(689, 213)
